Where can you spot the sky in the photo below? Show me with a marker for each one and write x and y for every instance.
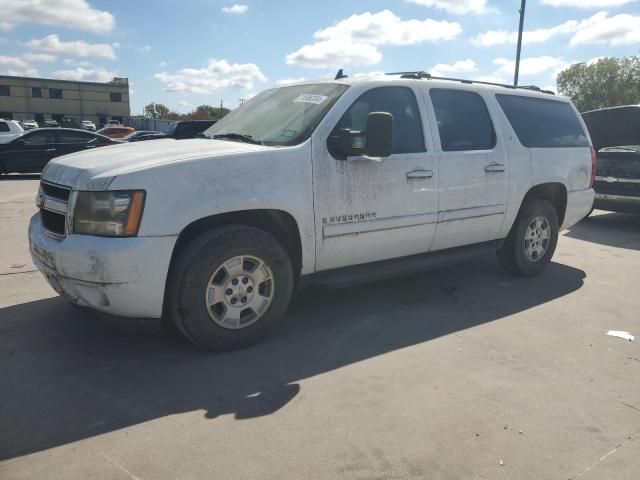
(191, 52)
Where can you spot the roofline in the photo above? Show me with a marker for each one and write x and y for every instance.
(610, 108)
(111, 84)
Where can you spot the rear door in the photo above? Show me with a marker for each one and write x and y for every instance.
(70, 141)
(472, 168)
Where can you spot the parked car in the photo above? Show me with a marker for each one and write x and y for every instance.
(88, 125)
(51, 123)
(616, 138)
(140, 135)
(30, 152)
(29, 124)
(116, 132)
(10, 128)
(327, 182)
(188, 128)
(113, 123)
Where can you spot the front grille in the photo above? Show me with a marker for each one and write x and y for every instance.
(618, 188)
(53, 201)
(53, 222)
(55, 191)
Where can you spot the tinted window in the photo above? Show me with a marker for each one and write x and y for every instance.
(74, 137)
(39, 138)
(4, 127)
(115, 97)
(55, 93)
(408, 136)
(541, 123)
(36, 92)
(463, 120)
(5, 91)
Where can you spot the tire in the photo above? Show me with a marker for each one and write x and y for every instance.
(523, 257)
(209, 275)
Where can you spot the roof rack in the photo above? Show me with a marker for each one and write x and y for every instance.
(422, 75)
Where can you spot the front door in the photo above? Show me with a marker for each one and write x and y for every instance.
(472, 169)
(368, 210)
(27, 154)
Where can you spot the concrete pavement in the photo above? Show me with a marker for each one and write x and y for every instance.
(442, 375)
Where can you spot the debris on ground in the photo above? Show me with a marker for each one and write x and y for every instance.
(621, 334)
(18, 265)
(501, 463)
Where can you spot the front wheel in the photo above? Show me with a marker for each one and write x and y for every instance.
(229, 287)
(532, 241)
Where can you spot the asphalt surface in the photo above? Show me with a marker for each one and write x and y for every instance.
(456, 373)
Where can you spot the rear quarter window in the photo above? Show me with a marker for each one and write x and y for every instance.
(542, 123)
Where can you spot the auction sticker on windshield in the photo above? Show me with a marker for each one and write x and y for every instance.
(310, 98)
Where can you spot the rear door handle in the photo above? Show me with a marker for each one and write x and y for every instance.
(50, 150)
(419, 174)
(494, 168)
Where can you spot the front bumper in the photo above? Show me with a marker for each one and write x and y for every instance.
(617, 203)
(579, 204)
(119, 276)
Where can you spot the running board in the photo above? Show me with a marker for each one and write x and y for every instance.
(396, 267)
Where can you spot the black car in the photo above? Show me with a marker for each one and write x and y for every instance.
(30, 152)
(188, 128)
(615, 133)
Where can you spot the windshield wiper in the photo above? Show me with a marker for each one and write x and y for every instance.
(238, 136)
(621, 148)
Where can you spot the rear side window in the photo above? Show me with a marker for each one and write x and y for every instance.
(463, 120)
(4, 127)
(74, 137)
(542, 123)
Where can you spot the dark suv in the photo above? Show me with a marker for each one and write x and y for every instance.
(188, 128)
(615, 133)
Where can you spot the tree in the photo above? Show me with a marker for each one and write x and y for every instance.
(207, 112)
(156, 110)
(609, 82)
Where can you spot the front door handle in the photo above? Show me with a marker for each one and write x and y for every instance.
(494, 168)
(50, 150)
(419, 174)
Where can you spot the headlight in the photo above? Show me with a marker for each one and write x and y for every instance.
(109, 214)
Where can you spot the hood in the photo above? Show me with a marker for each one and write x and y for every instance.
(95, 169)
(614, 127)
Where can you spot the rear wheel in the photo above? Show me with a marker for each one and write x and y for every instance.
(230, 287)
(533, 239)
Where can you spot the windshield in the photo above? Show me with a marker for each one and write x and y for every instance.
(279, 117)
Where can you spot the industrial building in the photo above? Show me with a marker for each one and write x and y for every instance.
(40, 99)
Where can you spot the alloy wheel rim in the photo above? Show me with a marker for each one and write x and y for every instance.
(537, 238)
(239, 292)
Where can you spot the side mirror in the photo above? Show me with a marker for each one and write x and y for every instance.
(379, 138)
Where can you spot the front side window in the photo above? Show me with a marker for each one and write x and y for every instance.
(55, 93)
(400, 102)
(543, 123)
(463, 120)
(4, 127)
(39, 138)
(282, 116)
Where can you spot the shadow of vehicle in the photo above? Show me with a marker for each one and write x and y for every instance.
(20, 176)
(66, 375)
(620, 230)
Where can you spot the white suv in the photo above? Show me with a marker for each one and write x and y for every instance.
(10, 128)
(326, 182)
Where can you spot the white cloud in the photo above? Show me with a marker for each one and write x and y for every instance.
(237, 9)
(79, 48)
(530, 66)
(16, 62)
(145, 49)
(184, 103)
(622, 29)
(217, 75)
(354, 40)
(461, 66)
(287, 81)
(162, 64)
(76, 14)
(27, 72)
(499, 37)
(39, 57)
(586, 3)
(455, 6)
(85, 75)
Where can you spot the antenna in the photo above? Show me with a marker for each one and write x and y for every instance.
(340, 75)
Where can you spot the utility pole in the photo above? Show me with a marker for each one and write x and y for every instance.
(515, 78)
